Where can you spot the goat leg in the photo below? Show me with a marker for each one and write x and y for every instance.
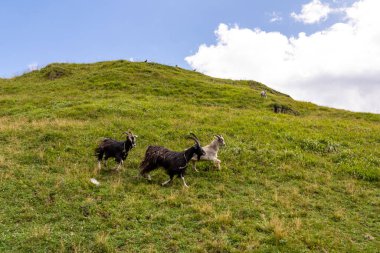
(184, 183)
(217, 162)
(147, 176)
(119, 160)
(119, 166)
(166, 182)
(194, 166)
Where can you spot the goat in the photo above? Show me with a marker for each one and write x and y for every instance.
(174, 163)
(263, 94)
(117, 149)
(211, 152)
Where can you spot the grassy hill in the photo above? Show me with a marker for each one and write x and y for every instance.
(306, 180)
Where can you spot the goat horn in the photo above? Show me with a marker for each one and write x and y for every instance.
(195, 138)
(127, 133)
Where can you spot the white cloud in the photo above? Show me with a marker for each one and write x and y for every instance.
(313, 12)
(275, 17)
(338, 66)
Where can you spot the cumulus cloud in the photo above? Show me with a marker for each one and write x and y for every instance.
(313, 12)
(338, 66)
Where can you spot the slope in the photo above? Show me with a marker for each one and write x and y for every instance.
(306, 180)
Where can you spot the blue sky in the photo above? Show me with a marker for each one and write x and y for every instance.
(322, 51)
(165, 31)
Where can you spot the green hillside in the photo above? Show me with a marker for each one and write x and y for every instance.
(300, 181)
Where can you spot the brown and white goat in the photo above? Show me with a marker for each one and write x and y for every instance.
(211, 152)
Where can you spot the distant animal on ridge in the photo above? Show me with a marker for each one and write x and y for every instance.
(174, 163)
(211, 152)
(117, 149)
(263, 94)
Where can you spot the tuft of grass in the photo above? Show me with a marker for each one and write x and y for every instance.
(102, 243)
(338, 215)
(40, 232)
(224, 219)
(204, 208)
(274, 226)
(278, 228)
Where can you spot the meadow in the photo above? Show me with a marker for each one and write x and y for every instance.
(306, 181)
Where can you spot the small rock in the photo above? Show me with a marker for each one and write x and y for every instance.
(369, 237)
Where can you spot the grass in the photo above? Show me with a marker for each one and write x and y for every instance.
(289, 183)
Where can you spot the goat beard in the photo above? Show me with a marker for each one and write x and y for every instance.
(199, 157)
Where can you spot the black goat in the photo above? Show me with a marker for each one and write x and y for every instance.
(117, 149)
(174, 163)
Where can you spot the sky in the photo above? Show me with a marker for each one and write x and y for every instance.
(323, 51)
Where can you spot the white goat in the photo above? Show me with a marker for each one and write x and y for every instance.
(263, 94)
(211, 152)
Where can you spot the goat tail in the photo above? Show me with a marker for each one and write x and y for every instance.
(150, 160)
(99, 150)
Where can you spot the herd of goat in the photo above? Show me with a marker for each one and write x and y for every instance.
(174, 163)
